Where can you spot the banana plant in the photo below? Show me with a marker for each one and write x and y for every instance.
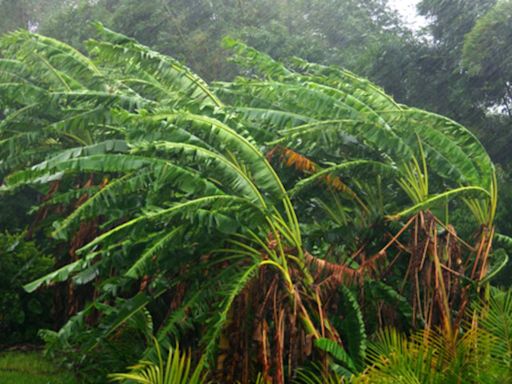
(176, 194)
(354, 154)
(197, 203)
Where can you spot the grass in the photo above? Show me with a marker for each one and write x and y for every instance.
(31, 368)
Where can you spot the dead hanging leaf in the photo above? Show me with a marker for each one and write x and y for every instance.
(273, 151)
(272, 242)
(144, 283)
(293, 159)
(336, 183)
(222, 355)
(298, 161)
(308, 345)
(338, 273)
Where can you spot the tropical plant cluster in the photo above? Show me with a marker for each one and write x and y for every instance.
(295, 219)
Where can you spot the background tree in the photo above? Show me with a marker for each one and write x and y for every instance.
(28, 14)
(425, 70)
(341, 31)
(487, 56)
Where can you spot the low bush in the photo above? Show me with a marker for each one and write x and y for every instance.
(21, 314)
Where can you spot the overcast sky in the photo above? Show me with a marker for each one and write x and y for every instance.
(407, 8)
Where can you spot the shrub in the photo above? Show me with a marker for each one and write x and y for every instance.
(21, 314)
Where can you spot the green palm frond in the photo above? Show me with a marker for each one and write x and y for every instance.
(176, 369)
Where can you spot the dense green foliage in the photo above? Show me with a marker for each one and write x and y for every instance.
(192, 31)
(287, 217)
(422, 69)
(22, 315)
(481, 355)
(486, 54)
(178, 209)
